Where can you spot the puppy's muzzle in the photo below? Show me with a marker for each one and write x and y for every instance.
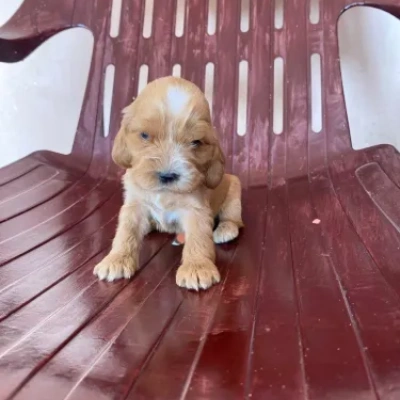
(168, 177)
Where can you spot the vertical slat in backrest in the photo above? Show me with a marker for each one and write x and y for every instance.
(192, 45)
(226, 75)
(317, 156)
(125, 56)
(89, 141)
(337, 128)
(156, 50)
(259, 124)
(277, 142)
(297, 81)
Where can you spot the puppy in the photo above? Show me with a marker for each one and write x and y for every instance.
(174, 182)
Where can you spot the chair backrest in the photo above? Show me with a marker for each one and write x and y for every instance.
(234, 49)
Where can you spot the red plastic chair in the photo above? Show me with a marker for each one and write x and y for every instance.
(304, 311)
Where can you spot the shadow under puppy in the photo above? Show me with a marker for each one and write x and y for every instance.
(174, 182)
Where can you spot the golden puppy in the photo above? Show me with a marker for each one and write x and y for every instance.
(174, 182)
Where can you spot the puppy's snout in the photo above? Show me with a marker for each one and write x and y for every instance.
(168, 177)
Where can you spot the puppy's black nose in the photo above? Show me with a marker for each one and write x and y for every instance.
(167, 177)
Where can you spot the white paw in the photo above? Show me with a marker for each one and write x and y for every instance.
(116, 266)
(225, 232)
(197, 275)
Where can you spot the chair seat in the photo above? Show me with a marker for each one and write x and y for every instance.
(306, 280)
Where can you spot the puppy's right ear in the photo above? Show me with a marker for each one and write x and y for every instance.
(120, 151)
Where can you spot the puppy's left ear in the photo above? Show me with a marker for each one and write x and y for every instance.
(216, 168)
(120, 151)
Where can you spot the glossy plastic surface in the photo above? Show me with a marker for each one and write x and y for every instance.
(309, 304)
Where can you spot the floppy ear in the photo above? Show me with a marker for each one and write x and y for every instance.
(120, 152)
(216, 168)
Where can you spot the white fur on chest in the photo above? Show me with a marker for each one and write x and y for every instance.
(167, 218)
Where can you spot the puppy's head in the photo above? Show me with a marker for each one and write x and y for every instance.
(167, 139)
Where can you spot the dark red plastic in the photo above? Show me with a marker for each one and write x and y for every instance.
(304, 310)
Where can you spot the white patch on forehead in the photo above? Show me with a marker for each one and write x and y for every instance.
(177, 99)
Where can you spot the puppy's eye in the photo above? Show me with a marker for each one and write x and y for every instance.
(196, 143)
(144, 135)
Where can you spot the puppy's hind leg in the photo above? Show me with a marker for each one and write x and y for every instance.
(230, 214)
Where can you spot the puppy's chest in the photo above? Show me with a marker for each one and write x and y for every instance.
(166, 216)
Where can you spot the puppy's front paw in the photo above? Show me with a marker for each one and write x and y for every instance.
(116, 266)
(197, 275)
(225, 232)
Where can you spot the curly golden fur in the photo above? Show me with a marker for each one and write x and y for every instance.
(174, 182)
